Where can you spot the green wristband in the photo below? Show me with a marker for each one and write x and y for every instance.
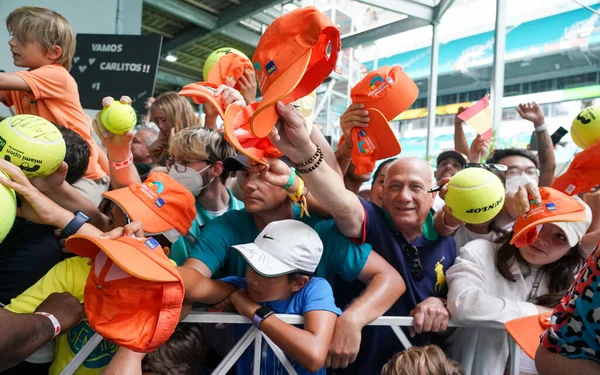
(290, 180)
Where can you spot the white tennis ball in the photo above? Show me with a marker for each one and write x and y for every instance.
(33, 144)
(118, 118)
(475, 195)
(8, 207)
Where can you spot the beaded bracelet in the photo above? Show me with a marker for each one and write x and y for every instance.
(315, 166)
(312, 158)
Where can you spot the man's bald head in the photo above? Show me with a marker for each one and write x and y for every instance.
(411, 163)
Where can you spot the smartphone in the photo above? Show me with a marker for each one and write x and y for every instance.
(558, 135)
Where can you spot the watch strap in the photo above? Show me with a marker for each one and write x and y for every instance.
(74, 225)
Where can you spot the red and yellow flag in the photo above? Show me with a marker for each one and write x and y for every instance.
(479, 117)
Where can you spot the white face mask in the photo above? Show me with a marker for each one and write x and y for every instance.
(191, 179)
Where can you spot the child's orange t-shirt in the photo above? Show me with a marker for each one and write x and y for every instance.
(54, 96)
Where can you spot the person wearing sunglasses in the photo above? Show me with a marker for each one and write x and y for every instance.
(525, 273)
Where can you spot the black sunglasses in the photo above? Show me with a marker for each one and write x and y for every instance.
(416, 269)
(489, 167)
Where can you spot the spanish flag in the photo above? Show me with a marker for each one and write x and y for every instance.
(479, 117)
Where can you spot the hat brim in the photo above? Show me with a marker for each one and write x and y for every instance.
(236, 163)
(200, 93)
(130, 259)
(266, 115)
(452, 154)
(232, 121)
(526, 332)
(262, 262)
(557, 219)
(138, 211)
(387, 143)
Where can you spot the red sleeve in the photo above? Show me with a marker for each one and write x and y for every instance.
(363, 239)
(46, 82)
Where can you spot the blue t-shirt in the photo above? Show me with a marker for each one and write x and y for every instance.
(316, 295)
(341, 256)
(182, 248)
(436, 254)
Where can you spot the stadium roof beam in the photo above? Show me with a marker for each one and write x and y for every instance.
(441, 9)
(410, 8)
(383, 31)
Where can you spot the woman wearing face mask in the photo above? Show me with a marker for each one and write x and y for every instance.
(196, 161)
(524, 274)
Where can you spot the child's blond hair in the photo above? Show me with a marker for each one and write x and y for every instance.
(46, 27)
(427, 360)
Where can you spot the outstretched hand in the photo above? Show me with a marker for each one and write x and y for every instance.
(118, 146)
(290, 134)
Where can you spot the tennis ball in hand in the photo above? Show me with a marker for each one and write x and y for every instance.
(585, 129)
(8, 207)
(475, 195)
(118, 118)
(33, 144)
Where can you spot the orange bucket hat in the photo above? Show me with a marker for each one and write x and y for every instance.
(228, 70)
(569, 214)
(527, 331)
(133, 294)
(385, 93)
(583, 173)
(291, 61)
(163, 205)
(200, 92)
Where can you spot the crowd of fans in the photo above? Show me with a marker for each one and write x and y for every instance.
(242, 242)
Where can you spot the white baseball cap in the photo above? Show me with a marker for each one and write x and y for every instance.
(283, 247)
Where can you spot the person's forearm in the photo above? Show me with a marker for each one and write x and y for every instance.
(307, 349)
(210, 121)
(441, 226)
(125, 361)
(199, 288)
(126, 176)
(460, 140)
(546, 157)
(548, 363)
(382, 291)
(343, 156)
(70, 199)
(22, 334)
(328, 188)
(594, 202)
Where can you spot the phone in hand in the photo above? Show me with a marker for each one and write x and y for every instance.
(558, 135)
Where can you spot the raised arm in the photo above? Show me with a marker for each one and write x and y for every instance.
(11, 81)
(548, 363)
(199, 288)
(535, 114)
(292, 138)
(460, 139)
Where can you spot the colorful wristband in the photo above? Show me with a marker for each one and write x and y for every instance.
(121, 164)
(290, 180)
(54, 321)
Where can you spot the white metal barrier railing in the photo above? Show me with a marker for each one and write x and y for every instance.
(256, 336)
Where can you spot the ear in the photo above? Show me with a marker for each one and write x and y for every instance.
(54, 53)
(217, 169)
(299, 283)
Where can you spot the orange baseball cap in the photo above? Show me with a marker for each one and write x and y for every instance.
(133, 295)
(236, 133)
(557, 208)
(583, 173)
(163, 205)
(385, 92)
(291, 61)
(527, 331)
(228, 70)
(200, 92)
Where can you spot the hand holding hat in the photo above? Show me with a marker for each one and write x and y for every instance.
(290, 134)
(356, 116)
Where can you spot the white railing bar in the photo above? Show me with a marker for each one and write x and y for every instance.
(282, 357)
(401, 336)
(514, 356)
(80, 357)
(235, 353)
(257, 351)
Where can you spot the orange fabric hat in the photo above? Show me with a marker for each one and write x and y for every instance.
(163, 205)
(200, 92)
(527, 331)
(556, 208)
(291, 61)
(133, 295)
(386, 92)
(236, 133)
(583, 173)
(228, 70)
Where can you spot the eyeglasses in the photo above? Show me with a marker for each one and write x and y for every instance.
(516, 172)
(416, 269)
(181, 166)
(489, 167)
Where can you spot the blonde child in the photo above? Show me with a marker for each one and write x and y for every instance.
(427, 360)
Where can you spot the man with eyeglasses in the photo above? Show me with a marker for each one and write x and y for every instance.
(402, 232)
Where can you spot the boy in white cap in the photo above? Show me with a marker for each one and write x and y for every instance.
(281, 262)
